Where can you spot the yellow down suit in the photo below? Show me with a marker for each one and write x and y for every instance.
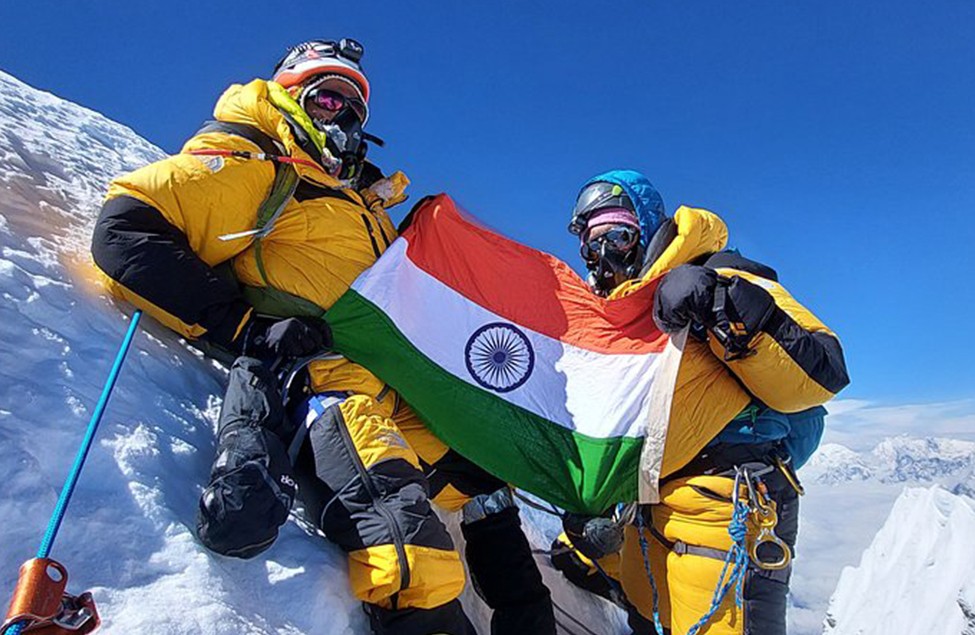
(795, 364)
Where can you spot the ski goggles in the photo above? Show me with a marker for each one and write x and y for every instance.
(619, 238)
(327, 98)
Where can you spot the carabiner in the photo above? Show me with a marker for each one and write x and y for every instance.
(790, 476)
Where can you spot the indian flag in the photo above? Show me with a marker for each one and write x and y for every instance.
(507, 356)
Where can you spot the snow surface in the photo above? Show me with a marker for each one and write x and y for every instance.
(128, 531)
(849, 496)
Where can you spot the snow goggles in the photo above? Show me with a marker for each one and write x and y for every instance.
(334, 102)
(620, 239)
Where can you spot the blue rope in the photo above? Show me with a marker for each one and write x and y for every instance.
(737, 560)
(55, 523)
(644, 549)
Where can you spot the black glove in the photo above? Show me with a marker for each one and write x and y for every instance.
(293, 337)
(685, 295)
(594, 537)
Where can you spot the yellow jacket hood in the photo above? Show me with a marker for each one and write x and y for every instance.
(699, 232)
(262, 104)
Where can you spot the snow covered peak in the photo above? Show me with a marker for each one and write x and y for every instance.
(906, 459)
(56, 159)
(918, 575)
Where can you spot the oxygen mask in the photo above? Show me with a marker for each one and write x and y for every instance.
(612, 254)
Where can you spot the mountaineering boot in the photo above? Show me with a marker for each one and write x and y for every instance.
(251, 485)
(503, 568)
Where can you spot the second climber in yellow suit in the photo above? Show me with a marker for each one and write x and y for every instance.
(756, 368)
(243, 241)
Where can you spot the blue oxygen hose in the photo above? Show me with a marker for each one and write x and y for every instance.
(79, 461)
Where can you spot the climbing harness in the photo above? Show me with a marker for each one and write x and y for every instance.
(734, 568)
(755, 508)
(40, 605)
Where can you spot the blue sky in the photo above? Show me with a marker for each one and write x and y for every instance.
(836, 138)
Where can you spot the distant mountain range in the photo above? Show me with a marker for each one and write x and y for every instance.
(909, 460)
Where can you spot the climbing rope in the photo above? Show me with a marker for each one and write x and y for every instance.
(737, 558)
(17, 624)
(644, 549)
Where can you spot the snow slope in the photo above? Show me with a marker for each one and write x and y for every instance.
(918, 575)
(128, 531)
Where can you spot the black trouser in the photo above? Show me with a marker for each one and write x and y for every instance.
(252, 483)
(506, 575)
(766, 592)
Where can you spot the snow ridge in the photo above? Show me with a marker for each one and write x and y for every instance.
(56, 158)
(917, 575)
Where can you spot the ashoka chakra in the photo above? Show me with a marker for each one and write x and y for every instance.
(499, 357)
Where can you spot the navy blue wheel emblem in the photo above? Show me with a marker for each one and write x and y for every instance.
(499, 357)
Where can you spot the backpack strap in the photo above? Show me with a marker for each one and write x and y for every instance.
(267, 300)
(251, 133)
(285, 177)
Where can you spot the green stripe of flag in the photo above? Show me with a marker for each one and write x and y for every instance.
(574, 471)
